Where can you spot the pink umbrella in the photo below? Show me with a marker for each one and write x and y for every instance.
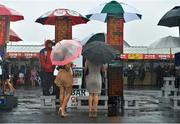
(13, 36)
(65, 51)
(12, 14)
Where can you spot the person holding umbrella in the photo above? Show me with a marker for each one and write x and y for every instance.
(64, 81)
(96, 53)
(93, 85)
(63, 55)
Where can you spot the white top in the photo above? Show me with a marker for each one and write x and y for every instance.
(0, 70)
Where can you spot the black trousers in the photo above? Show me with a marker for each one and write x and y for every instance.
(47, 82)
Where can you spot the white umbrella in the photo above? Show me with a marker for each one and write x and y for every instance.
(166, 42)
(102, 11)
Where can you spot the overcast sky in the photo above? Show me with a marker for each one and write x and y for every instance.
(137, 33)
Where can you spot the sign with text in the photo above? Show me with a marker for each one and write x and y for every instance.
(2, 30)
(72, 103)
(63, 29)
(115, 26)
(77, 76)
(22, 55)
(146, 56)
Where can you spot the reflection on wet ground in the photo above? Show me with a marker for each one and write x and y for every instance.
(29, 111)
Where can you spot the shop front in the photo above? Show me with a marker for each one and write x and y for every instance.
(145, 67)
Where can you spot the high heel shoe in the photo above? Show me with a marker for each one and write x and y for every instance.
(94, 114)
(90, 114)
(61, 113)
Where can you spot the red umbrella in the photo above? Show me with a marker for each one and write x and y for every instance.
(49, 17)
(13, 14)
(13, 36)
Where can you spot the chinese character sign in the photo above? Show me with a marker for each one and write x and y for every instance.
(63, 29)
(2, 30)
(115, 32)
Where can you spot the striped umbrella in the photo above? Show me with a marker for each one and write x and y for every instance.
(120, 9)
(13, 37)
(49, 17)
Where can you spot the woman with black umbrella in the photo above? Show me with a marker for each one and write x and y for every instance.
(93, 85)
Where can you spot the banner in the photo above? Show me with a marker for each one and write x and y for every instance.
(138, 56)
(22, 55)
(135, 56)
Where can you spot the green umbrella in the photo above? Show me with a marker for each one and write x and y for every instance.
(120, 9)
(98, 37)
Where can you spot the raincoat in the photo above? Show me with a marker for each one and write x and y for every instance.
(45, 60)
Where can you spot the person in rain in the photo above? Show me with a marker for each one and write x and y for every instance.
(64, 80)
(130, 77)
(46, 67)
(33, 77)
(93, 85)
(8, 88)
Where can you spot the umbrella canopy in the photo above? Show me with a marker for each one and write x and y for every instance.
(98, 37)
(171, 18)
(166, 42)
(65, 51)
(98, 52)
(102, 11)
(12, 14)
(49, 17)
(13, 36)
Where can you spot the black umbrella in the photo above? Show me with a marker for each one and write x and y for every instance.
(98, 37)
(98, 52)
(171, 18)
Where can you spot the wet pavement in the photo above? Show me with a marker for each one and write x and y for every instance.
(29, 110)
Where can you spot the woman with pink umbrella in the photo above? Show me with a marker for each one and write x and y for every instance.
(63, 54)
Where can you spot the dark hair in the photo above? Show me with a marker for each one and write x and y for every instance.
(60, 67)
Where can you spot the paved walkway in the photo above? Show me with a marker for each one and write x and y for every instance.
(29, 111)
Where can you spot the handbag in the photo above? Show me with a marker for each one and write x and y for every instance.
(58, 78)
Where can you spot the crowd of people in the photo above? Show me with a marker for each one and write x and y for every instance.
(156, 73)
(13, 76)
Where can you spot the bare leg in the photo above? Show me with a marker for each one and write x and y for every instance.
(96, 99)
(61, 95)
(33, 83)
(65, 101)
(90, 101)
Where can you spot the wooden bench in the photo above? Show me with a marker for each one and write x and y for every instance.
(80, 100)
(48, 101)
